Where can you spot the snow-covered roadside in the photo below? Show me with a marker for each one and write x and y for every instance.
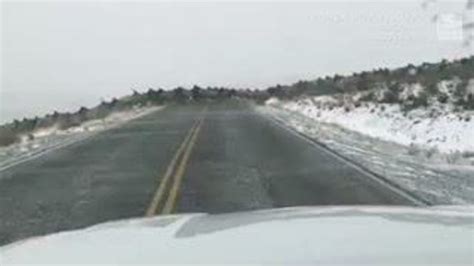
(434, 182)
(52, 138)
(446, 133)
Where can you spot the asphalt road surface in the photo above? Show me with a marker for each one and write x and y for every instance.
(213, 157)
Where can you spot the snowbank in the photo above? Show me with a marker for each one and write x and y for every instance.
(431, 128)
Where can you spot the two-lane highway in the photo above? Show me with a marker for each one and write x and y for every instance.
(212, 157)
(177, 166)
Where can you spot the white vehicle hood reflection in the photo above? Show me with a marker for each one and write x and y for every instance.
(308, 235)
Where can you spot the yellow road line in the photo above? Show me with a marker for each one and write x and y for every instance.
(152, 209)
(173, 195)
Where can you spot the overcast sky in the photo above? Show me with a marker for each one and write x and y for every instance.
(60, 56)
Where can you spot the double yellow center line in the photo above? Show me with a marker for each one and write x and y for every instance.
(174, 173)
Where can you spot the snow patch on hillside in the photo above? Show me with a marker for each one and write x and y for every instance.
(430, 128)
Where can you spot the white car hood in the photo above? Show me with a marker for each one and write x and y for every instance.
(308, 235)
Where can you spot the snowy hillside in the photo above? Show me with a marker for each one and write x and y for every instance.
(440, 126)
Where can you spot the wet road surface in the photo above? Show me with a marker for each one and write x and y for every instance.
(209, 157)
